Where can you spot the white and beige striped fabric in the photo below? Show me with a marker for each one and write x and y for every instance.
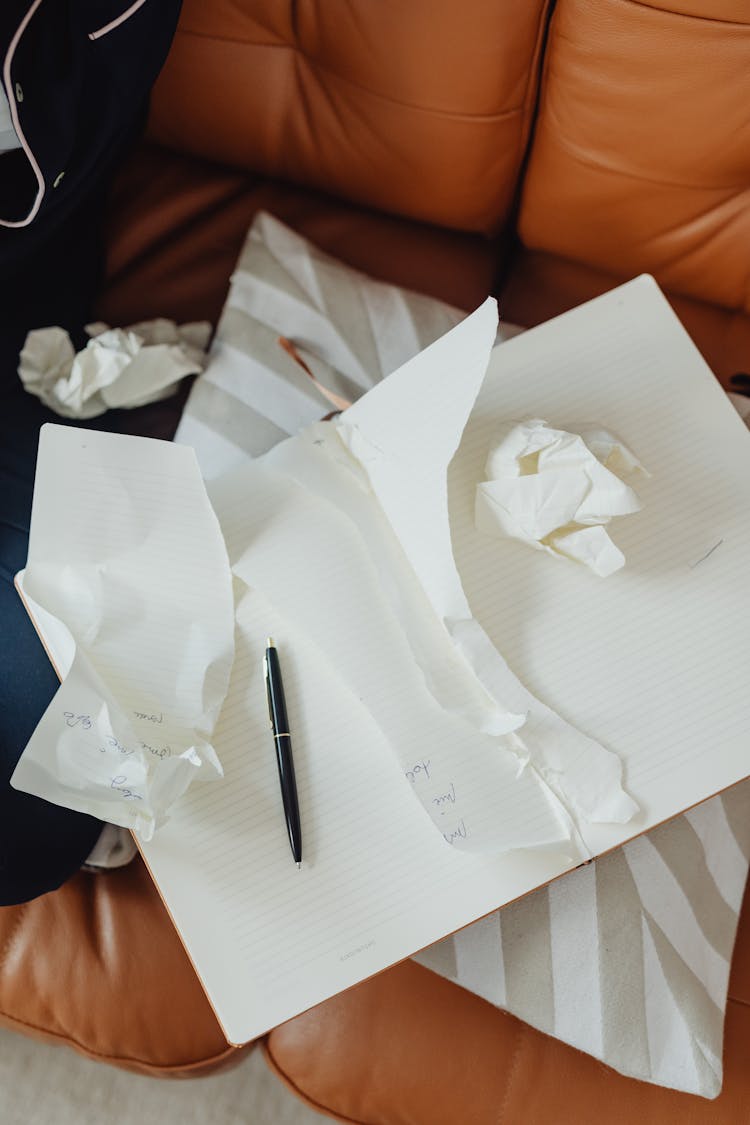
(351, 330)
(627, 958)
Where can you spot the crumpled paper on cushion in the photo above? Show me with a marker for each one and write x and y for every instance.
(119, 367)
(556, 490)
(129, 567)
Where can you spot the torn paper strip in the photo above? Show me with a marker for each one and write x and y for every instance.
(126, 554)
(119, 367)
(556, 490)
(348, 537)
(404, 434)
(332, 598)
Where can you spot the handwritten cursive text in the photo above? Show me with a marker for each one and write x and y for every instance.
(119, 784)
(150, 718)
(447, 798)
(458, 833)
(157, 751)
(73, 720)
(113, 746)
(422, 767)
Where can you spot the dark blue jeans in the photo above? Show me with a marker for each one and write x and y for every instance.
(41, 844)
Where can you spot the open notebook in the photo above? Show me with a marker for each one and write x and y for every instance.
(644, 665)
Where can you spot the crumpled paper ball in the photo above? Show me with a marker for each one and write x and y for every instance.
(119, 367)
(556, 490)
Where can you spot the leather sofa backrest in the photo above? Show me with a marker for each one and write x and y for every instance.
(641, 153)
(417, 107)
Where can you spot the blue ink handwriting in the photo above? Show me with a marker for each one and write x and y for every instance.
(113, 744)
(118, 783)
(73, 720)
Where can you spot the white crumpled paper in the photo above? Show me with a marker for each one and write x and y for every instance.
(556, 490)
(128, 571)
(119, 367)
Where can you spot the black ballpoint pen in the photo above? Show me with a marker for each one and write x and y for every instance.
(283, 743)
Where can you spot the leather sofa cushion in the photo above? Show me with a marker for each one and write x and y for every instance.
(408, 1047)
(98, 965)
(539, 286)
(641, 153)
(177, 225)
(421, 109)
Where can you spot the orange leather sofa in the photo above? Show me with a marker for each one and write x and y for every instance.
(541, 152)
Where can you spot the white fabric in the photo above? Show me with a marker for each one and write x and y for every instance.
(8, 136)
(627, 958)
(42, 1084)
(114, 848)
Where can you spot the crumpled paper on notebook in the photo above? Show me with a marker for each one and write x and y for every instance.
(128, 565)
(556, 490)
(119, 367)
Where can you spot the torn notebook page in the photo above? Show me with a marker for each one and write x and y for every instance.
(404, 433)
(302, 554)
(556, 490)
(375, 589)
(126, 553)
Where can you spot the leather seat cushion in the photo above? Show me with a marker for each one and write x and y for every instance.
(98, 965)
(177, 224)
(641, 153)
(363, 100)
(541, 285)
(409, 1047)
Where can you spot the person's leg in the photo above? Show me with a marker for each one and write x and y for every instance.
(41, 844)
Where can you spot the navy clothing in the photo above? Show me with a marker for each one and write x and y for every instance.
(78, 101)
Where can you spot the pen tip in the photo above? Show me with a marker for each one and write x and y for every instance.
(299, 864)
(269, 642)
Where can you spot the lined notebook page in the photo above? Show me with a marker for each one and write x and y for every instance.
(377, 880)
(328, 571)
(123, 539)
(645, 661)
(650, 661)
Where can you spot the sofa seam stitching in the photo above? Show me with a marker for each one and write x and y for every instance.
(282, 1073)
(314, 63)
(70, 1040)
(574, 151)
(13, 934)
(686, 15)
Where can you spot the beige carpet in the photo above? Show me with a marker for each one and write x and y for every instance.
(47, 1085)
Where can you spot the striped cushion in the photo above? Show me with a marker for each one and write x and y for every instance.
(626, 958)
